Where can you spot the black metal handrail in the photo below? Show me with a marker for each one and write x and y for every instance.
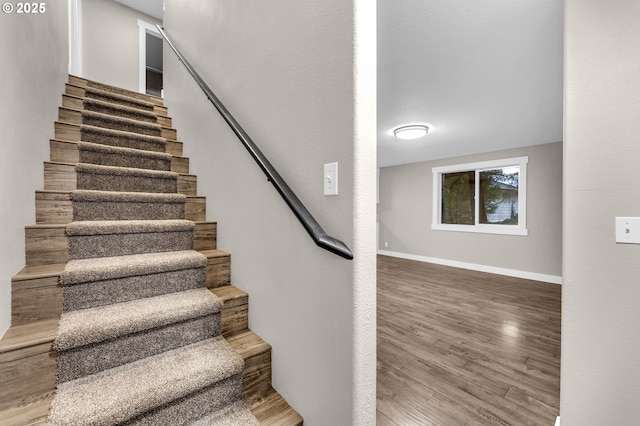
(317, 234)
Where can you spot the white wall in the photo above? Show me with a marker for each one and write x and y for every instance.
(304, 89)
(405, 213)
(600, 380)
(33, 71)
(110, 45)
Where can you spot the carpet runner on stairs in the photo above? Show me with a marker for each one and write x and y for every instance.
(105, 155)
(139, 340)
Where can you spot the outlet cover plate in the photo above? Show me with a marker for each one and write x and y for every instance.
(330, 179)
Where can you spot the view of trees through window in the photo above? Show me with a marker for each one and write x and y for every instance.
(498, 197)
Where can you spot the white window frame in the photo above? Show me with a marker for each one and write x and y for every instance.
(519, 229)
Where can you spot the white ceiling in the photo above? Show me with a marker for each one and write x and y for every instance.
(485, 75)
(153, 8)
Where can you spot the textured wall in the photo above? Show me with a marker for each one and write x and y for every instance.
(405, 214)
(600, 380)
(288, 72)
(33, 71)
(110, 43)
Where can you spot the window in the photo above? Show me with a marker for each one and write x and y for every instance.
(487, 197)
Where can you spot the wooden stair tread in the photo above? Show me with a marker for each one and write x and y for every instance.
(214, 252)
(275, 410)
(26, 335)
(248, 344)
(229, 293)
(33, 413)
(39, 271)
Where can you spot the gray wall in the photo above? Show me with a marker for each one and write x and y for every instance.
(600, 380)
(110, 45)
(32, 75)
(405, 216)
(288, 72)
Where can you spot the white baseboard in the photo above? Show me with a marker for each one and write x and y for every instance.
(558, 421)
(553, 279)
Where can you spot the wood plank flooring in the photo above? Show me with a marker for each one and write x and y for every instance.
(458, 347)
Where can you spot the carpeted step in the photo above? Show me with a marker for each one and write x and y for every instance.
(110, 178)
(120, 238)
(177, 387)
(106, 205)
(96, 119)
(95, 339)
(117, 90)
(122, 139)
(115, 98)
(115, 110)
(105, 155)
(89, 283)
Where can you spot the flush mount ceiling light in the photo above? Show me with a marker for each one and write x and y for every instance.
(413, 131)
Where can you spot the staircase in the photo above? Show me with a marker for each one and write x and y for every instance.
(125, 312)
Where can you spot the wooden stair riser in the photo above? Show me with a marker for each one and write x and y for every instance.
(71, 132)
(63, 177)
(73, 116)
(235, 315)
(48, 244)
(35, 299)
(256, 377)
(83, 82)
(218, 269)
(77, 103)
(37, 296)
(81, 92)
(53, 207)
(27, 374)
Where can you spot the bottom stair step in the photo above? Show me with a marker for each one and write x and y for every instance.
(273, 410)
(163, 383)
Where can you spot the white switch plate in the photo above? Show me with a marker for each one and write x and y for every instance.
(331, 179)
(628, 230)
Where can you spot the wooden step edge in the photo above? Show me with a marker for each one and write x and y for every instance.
(62, 193)
(274, 410)
(248, 344)
(39, 271)
(29, 413)
(214, 253)
(66, 131)
(73, 145)
(79, 91)
(77, 103)
(65, 164)
(68, 115)
(27, 335)
(229, 293)
(85, 82)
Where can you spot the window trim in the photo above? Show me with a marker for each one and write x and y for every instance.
(477, 167)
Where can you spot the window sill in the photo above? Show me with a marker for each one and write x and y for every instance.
(483, 229)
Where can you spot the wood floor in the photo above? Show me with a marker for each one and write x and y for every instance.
(458, 347)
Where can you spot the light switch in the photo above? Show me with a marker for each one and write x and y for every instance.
(628, 230)
(331, 179)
